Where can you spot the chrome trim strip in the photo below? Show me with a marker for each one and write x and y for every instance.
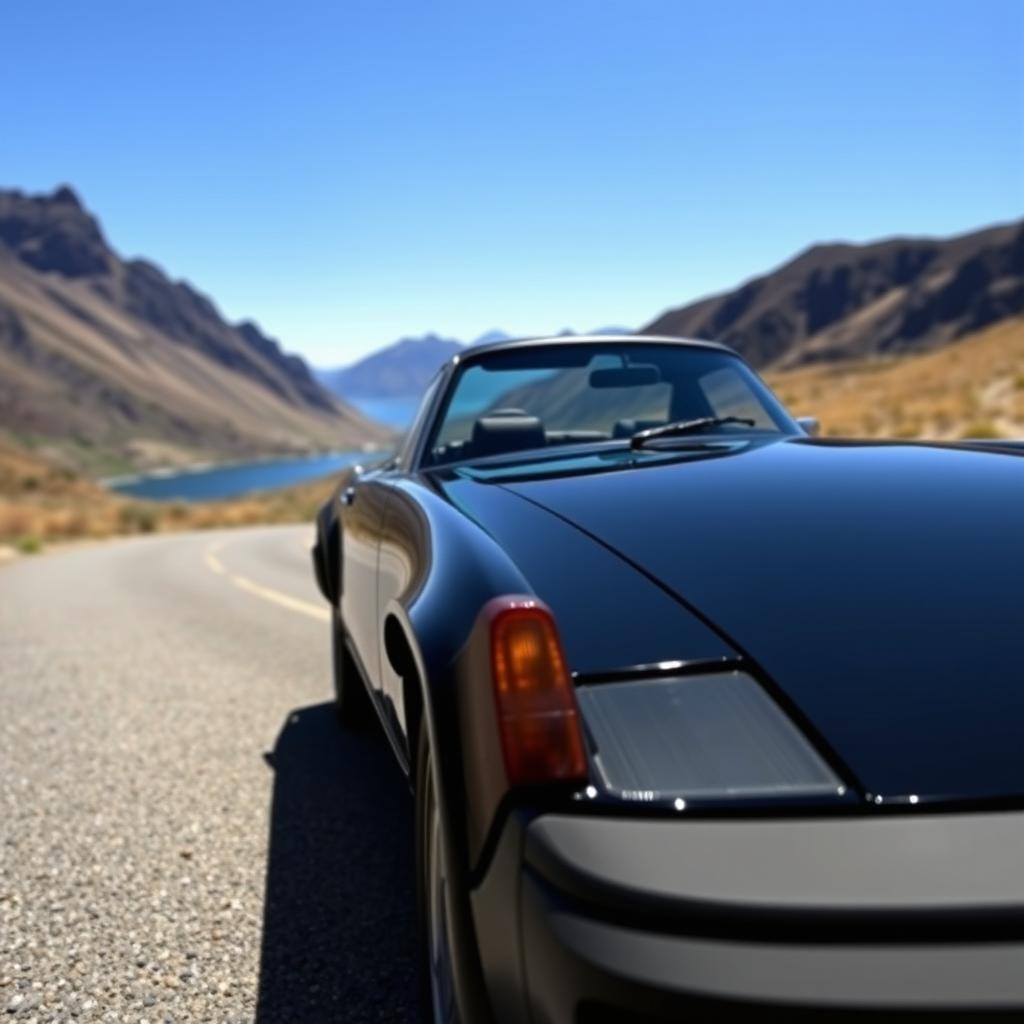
(659, 668)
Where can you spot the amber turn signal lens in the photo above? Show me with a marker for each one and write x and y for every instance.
(537, 715)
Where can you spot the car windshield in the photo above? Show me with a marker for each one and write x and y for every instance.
(522, 399)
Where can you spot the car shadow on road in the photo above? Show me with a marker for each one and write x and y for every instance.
(339, 919)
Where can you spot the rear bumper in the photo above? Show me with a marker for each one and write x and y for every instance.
(579, 968)
(576, 945)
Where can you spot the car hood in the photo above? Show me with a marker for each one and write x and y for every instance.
(878, 585)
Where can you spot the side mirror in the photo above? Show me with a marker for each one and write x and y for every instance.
(810, 425)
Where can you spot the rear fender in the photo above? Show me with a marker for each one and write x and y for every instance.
(454, 570)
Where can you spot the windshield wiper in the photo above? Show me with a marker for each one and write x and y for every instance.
(680, 427)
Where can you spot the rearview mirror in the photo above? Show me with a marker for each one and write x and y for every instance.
(626, 377)
(811, 425)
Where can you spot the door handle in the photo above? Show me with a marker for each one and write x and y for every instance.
(348, 495)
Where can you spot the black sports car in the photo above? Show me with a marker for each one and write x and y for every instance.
(705, 717)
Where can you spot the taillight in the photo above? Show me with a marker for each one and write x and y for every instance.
(535, 701)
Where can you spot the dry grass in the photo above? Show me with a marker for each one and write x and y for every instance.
(973, 388)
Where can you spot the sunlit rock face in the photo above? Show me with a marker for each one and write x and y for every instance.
(838, 301)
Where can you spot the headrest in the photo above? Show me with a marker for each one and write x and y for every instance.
(507, 430)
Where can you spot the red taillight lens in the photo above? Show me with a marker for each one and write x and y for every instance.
(536, 704)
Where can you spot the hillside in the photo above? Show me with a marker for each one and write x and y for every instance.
(111, 365)
(973, 388)
(839, 302)
(401, 370)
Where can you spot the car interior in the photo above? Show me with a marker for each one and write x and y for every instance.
(501, 431)
(644, 394)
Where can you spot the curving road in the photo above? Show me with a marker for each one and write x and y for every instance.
(184, 833)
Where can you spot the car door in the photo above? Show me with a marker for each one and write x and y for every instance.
(365, 509)
(363, 517)
(399, 555)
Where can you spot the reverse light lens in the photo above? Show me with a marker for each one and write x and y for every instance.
(536, 703)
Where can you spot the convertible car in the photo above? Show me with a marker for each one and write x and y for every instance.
(706, 717)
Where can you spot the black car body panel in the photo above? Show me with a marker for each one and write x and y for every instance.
(831, 566)
(867, 593)
(586, 586)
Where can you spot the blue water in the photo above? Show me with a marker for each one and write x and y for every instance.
(393, 412)
(231, 481)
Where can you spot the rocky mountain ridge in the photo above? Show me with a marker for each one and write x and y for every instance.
(841, 301)
(105, 356)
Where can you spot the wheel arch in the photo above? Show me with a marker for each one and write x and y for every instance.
(406, 657)
(456, 567)
(407, 664)
(326, 554)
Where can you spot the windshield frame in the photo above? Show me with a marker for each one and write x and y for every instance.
(786, 425)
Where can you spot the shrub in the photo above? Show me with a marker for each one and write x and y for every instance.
(68, 523)
(177, 512)
(982, 430)
(910, 429)
(29, 544)
(137, 519)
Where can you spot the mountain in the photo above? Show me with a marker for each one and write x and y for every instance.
(611, 330)
(402, 370)
(115, 365)
(838, 301)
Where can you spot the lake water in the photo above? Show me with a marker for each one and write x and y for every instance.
(232, 481)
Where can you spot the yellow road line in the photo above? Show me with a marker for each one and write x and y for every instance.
(293, 603)
(214, 564)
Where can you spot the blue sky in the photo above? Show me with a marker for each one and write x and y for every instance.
(346, 173)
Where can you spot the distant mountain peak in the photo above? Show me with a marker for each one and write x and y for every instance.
(53, 233)
(491, 337)
(400, 370)
(404, 368)
(66, 194)
(611, 331)
(428, 339)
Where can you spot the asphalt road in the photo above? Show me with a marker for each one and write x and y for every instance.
(185, 835)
